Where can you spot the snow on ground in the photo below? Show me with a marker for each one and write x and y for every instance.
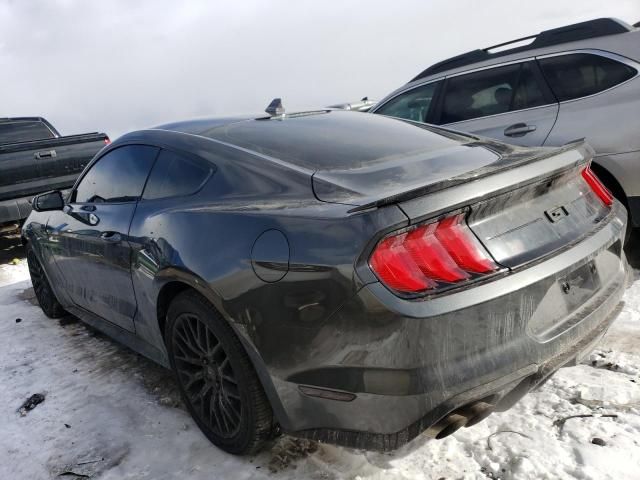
(111, 414)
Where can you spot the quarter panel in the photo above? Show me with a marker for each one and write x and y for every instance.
(608, 120)
(625, 167)
(206, 241)
(213, 250)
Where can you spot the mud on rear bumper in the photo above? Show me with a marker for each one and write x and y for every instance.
(500, 394)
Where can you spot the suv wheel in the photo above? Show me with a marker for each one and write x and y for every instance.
(217, 381)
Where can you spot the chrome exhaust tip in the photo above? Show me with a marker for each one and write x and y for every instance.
(447, 426)
(466, 416)
(476, 412)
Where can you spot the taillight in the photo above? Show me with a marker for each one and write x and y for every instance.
(107, 141)
(431, 256)
(596, 185)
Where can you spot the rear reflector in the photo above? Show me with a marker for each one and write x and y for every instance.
(596, 185)
(431, 256)
(327, 394)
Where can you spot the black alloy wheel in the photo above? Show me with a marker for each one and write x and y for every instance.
(206, 375)
(217, 381)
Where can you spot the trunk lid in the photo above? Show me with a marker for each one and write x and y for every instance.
(523, 209)
(522, 203)
(533, 221)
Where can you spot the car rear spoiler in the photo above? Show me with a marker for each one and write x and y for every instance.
(504, 163)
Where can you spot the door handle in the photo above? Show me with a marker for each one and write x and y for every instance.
(519, 130)
(45, 154)
(113, 237)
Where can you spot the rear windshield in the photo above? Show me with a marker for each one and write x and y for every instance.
(23, 131)
(342, 140)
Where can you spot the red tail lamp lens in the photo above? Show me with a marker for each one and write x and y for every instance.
(463, 246)
(394, 266)
(107, 141)
(431, 256)
(596, 185)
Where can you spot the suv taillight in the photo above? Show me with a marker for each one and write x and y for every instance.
(431, 256)
(596, 185)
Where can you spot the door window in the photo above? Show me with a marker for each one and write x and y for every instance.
(490, 92)
(412, 105)
(174, 175)
(578, 75)
(119, 176)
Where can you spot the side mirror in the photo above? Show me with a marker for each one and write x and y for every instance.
(48, 201)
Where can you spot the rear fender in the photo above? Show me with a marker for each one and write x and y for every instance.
(198, 284)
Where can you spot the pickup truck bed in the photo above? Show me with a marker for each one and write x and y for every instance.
(32, 166)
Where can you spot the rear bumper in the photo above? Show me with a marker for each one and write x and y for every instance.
(410, 363)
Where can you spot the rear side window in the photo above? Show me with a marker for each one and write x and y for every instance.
(491, 91)
(412, 105)
(582, 74)
(118, 176)
(23, 131)
(174, 175)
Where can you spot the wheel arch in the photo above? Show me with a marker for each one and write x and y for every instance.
(174, 286)
(611, 182)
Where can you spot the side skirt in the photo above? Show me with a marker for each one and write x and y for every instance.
(128, 339)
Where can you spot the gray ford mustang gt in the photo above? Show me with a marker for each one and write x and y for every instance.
(350, 278)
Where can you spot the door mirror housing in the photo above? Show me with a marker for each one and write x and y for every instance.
(48, 201)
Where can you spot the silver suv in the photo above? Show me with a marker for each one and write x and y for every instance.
(568, 83)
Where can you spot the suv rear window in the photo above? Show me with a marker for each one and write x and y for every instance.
(23, 131)
(578, 75)
(491, 91)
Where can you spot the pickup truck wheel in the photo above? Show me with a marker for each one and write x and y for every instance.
(217, 381)
(46, 298)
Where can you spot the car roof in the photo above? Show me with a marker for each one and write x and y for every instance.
(324, 139)
(557, 36)
(601, 38)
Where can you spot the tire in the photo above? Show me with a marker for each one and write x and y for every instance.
(216, 378)
(44, 293)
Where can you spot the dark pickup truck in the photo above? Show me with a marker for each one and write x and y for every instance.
(34, 158)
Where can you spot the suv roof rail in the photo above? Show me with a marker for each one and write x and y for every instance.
(556, 36)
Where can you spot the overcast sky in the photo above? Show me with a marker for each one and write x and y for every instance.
(118, 65)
